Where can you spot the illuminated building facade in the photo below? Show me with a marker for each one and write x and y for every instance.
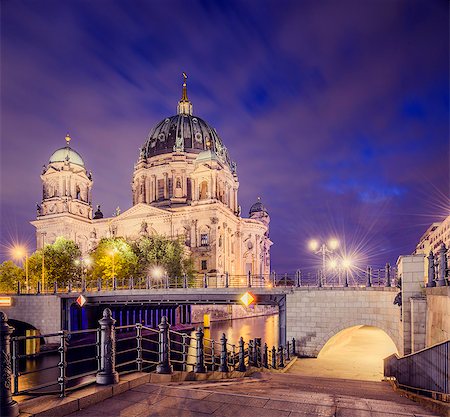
(184, 185)
(436, 234)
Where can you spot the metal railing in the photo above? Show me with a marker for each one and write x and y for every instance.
(100, 355)
(370, 277)
(426, 371)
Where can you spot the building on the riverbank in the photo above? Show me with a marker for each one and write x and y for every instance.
(184, 185)
(436, 234)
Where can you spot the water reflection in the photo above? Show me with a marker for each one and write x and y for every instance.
(265, 327)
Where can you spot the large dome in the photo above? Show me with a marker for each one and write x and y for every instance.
(184, 133)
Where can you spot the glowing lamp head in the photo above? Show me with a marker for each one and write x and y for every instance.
(332, 264)
(333, 244)
(18, 252)
(157, 272)
(347, 263)
(313, 244)
(247, 299)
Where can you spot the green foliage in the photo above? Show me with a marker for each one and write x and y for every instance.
(10, 275)
(162, 255)
(113, 257)
(61, 263)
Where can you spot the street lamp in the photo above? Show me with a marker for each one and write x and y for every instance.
(347, 264)
(43, 261)
(19, 252)
(323, 249)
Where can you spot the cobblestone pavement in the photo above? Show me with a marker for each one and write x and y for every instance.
(266, 395)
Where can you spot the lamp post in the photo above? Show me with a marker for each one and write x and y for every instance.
(43, 260)
(324, 250)
(19, 252)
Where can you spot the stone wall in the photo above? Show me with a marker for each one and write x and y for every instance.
(314, 315)
(42, 312)
(411, 272)
(418, 323)
(438, 315)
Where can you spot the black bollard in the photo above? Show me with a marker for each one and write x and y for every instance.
(107, 373)
(200, 353)
(281, 354)
(274, 358)
(250, 353)
(8, 407)
(223, 354)
(241, 365)
(164, 366)
(293, 346)
(288, 357)
(266, 356)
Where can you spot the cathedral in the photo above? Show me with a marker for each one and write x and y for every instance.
(184, 185)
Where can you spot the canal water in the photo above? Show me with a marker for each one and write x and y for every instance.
(265, 327)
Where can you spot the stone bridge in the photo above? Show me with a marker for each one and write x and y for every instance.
(311, 315)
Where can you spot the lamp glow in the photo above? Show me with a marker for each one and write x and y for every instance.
(313, 245)
(347, 263)
(332, 264)
(333, 244)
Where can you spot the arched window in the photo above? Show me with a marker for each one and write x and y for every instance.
(203, 190)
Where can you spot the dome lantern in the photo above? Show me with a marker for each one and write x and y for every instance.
(184, 105)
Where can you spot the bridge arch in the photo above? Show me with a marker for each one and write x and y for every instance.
(354, 322)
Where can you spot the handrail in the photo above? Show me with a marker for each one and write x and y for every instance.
(427, 370)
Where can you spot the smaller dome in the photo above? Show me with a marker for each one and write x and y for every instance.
(67, 154)
(98, 214)
(257, 207)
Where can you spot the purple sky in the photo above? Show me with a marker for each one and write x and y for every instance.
(336, 112)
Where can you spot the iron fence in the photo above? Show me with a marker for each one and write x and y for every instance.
(427, 370)
(98, 355)
(370, 277)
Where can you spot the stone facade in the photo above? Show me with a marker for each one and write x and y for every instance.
(184, 186)
(42, 312)
(314, 315)
(438, 315)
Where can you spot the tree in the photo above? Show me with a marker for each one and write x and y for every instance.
(113, 257)
(61, 263)
(10, 275)
(158, 255)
